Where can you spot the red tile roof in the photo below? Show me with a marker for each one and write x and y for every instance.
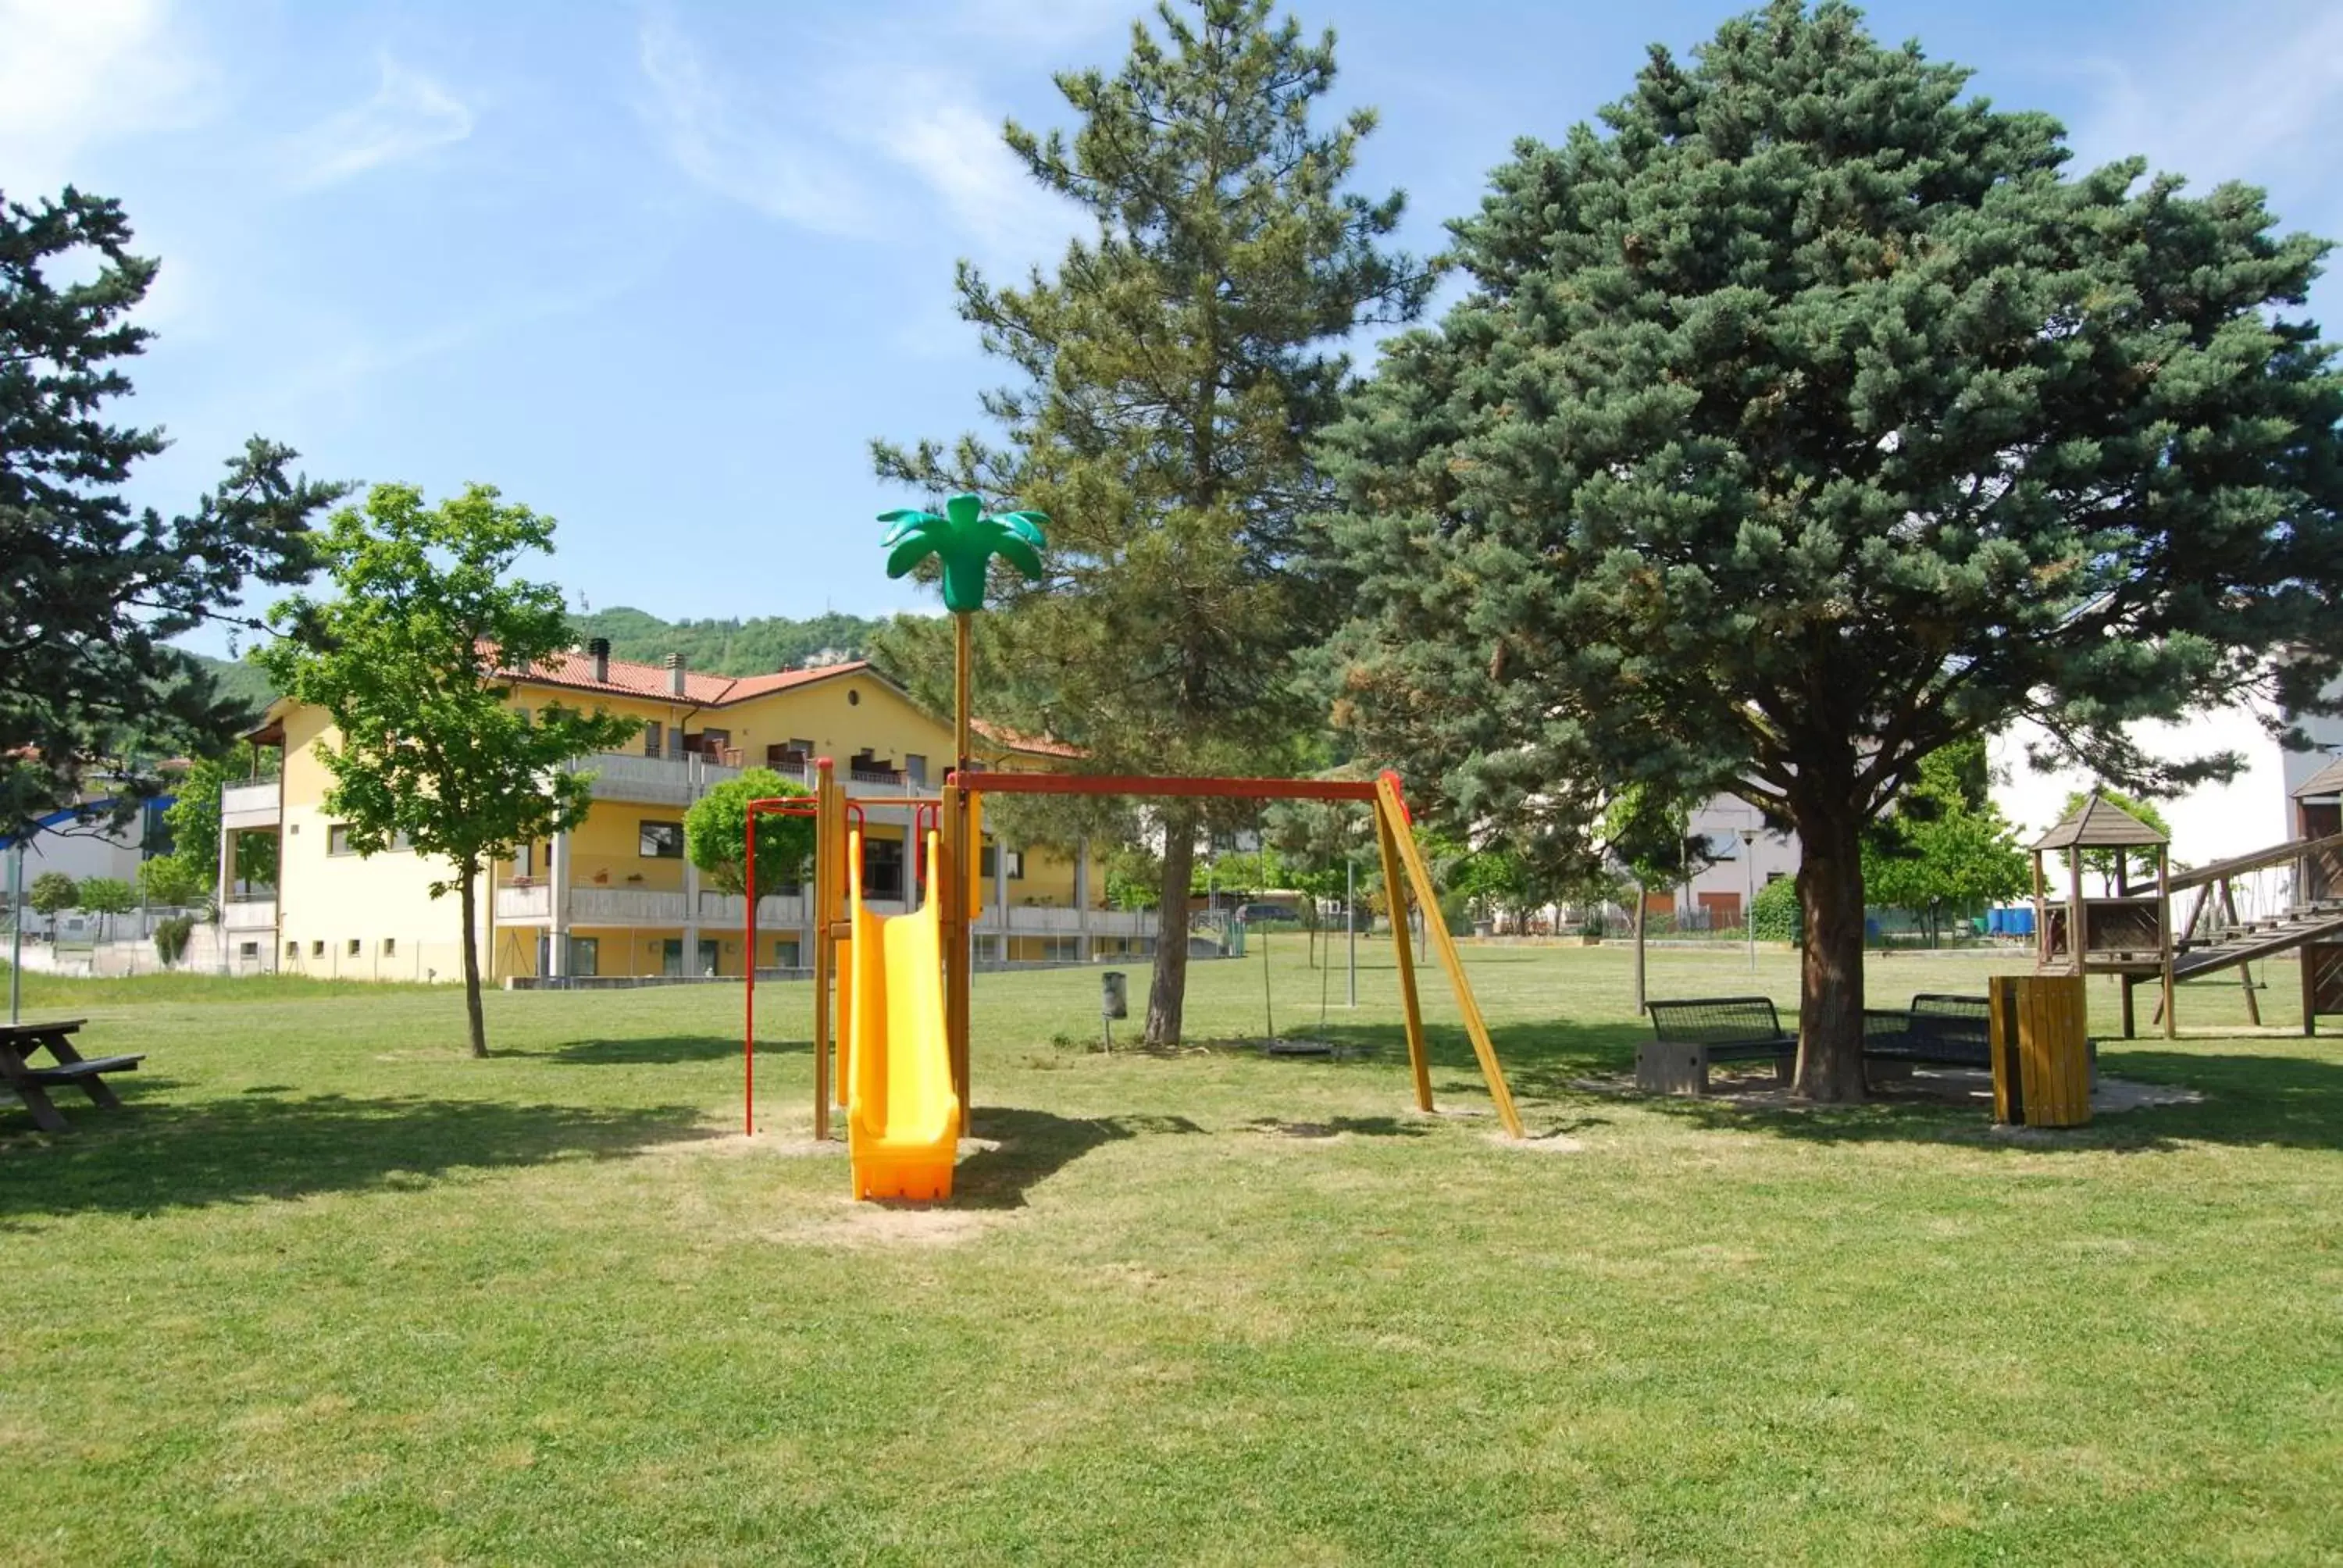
(576, 670)
(1016, 741)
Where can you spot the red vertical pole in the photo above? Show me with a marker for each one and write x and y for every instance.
(748, 1028)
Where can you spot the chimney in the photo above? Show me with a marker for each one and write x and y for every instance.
(675, 674)
(598, 650)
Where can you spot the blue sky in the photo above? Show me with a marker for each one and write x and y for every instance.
(662, 269)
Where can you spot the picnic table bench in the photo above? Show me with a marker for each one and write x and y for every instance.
(1689, 1035)
(19, 1041)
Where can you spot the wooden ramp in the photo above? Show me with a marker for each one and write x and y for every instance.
(2247, 942)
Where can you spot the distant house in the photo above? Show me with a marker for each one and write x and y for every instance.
(1744, 854)
(616, 896)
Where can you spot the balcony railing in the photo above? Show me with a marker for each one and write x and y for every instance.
(251, 912)
(256, 804)
(659, 780)
(524, 903)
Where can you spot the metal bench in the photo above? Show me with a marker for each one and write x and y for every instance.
(1689, 1035)
(1938, 1029)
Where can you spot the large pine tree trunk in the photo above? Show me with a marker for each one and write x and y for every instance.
(1167, 993)
(1830, 979)
(470, 881)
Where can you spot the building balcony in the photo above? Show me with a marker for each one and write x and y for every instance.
(249, 912)
(1048, 920)
(525, 904)
(677, 781)
(244, 807)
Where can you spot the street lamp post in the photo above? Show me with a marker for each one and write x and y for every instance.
(1749, 876)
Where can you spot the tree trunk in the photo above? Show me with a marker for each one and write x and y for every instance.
(1830, 979)
(470, 880)
(1167, 993)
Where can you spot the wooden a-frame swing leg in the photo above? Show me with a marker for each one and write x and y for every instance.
(1392, 821)
(1395, 900)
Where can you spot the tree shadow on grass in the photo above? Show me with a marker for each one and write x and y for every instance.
(1032, 1145)
(161, 1156)
(653, 1050)
(1335, 1126)
(2249, 1100)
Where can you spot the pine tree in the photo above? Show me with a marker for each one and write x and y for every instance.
(1174, 370)
(90, 591)
(1812, 419)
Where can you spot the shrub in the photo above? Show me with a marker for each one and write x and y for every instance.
(171, 938)
(1776, 913)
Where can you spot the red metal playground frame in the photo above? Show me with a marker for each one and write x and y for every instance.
(1404, 867)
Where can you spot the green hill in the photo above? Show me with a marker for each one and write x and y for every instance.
(750, 647)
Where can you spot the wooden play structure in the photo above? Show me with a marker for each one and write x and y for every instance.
(2129, 931)
(891, 1034)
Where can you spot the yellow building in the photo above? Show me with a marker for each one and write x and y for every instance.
(615, 898)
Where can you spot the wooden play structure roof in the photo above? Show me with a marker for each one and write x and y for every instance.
(2328, 780)
(2098, 825)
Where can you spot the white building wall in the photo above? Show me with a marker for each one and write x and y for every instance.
(1741, 865)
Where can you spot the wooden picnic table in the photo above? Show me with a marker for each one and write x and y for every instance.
(20, 1041)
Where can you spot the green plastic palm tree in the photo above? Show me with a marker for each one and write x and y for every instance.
(964, 540)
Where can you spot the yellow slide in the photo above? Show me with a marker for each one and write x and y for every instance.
(902, 1116)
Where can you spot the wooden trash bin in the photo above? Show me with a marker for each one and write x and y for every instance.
(2041, 1033)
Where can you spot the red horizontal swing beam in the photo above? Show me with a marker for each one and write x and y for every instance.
(1166, 784)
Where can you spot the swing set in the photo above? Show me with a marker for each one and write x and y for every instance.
(890, 1032)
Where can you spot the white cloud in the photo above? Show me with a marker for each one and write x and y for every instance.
(872, 137)
(410, 114)
(2229, 97)
(778, 169)
(75, 74)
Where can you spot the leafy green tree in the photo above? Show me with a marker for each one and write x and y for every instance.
(1171, 374)
(168, 879)
(406, 662)
(1810, 417)
(52, 894)
(715, 833)
(1134, 878)
(194, 820)
(105, 897)
(2101, 863)
(1944, 847)
(93, 591)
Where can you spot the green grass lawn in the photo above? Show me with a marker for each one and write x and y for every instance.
(329, 1290)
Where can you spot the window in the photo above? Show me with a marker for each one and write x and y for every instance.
(714, 743)
(915, 766)
(525, 863)
(707, 965)
(1061, 949)
(292, 950)
(354, 946)
(991, 858)
(787, 953)
(338, 841)
(316, 950)
(661, 841)
(882, 867)
(247, 950)
(390, 947)
(524, 717)
(585, 956)
(654, 735)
